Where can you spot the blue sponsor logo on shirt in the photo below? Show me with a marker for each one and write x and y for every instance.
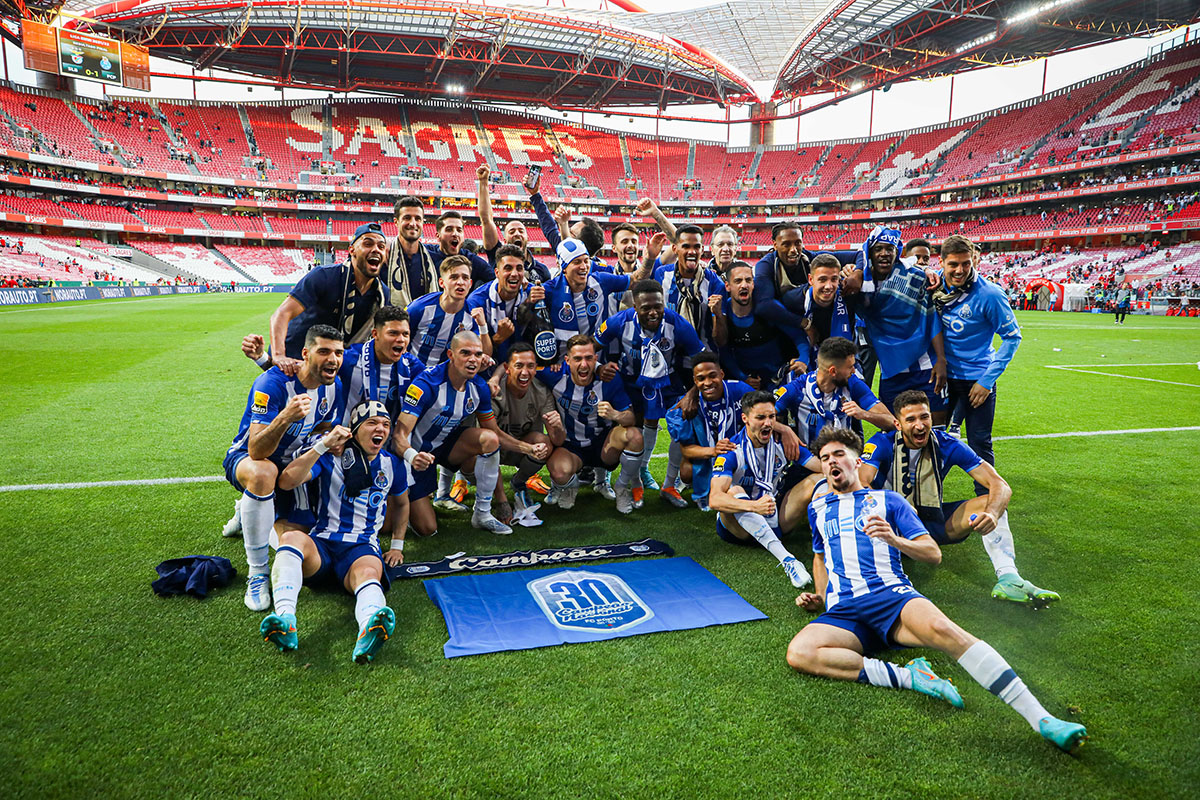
(589, 601)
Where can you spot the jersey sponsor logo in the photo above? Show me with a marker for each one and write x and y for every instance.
(779, 392)
(566, 313)
(719, 464)
(261, 399)
(376, 499)
(414, 394)
(589, 601)
(593, 309)
(870, 448)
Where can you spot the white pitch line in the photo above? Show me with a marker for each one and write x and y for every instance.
(1163, 364)
(34, 487)
(1126, 377)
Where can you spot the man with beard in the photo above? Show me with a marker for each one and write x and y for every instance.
(363, 492)
(870, 605)
(653, 346)
(746, 490)
(689, 290)
(438, 316)
(625, 246)
(751, 348)
(897, 308)
(343, 296)
(781, 275)
(412, 267)
(915, 461)
(433, 430)
(578, 298)
(831, 394)
(524, 407)
(281, 411)
(601, 429)
(515, 233)
(974, 311)
(499, 300)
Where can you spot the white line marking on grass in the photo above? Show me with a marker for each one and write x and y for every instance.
(1073, 368)
(110, 303)
(36, 487)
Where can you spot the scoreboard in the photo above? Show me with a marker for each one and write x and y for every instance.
(77, 54)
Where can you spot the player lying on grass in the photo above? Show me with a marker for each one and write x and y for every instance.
(915, 461)
(870, 604)
(747, 486)
(363, 492)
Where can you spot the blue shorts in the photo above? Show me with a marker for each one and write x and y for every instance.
(728, 535)
(871, 617)
(424, 483)
(919, 379)
(936, 523)
(296, 506)
(338, 557)
(590, 454)
(654, 407)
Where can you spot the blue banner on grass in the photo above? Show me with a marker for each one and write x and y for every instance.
(538, 608)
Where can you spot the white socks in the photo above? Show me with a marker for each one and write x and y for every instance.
(487, 472)
(674, 459)
(999, 547)
(756, 525)
(631, 465)
(882, 673)
(649, 439)
(993, 673)
(368, 598)
(287, 576)
(445, 481)
(258, 517)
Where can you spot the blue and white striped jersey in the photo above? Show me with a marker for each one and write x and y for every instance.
(356, 520)
(433, 328)
(365, 378)
(856, 563)
(577, 404)
(441, 409)
(675, 338)
(271, 393)
(496, 308)
(757, 470)
(811, 409)
(582, 312)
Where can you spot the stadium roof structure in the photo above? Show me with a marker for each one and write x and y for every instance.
(859, 45)
(427, 47)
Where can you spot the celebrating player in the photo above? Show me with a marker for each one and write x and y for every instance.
(746, 486)
(601, 429)
(578, 299)
(915, 461)
(751, 348)
(281, 412)
(870, 604)
(438, 316)
(432, 429)
(363, 491)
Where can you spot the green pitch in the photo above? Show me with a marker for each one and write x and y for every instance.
(110, 691)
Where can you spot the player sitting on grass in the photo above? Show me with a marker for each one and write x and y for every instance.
(363, 491)
(281, 412)
(746, 481)
(870, 604)
(915, 461)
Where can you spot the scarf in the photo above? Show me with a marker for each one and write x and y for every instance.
(765, 470)
(944, 296)
(498, 308)
(841, 323)
(356, 469)
(587, 305)
(718, 417)
(691, 305)
(370, 375)
(350, 301)
(783, 281)
(925, 492)
(398, 278)
(878, 235)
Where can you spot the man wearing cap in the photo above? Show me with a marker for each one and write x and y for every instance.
(343, 296)
(578, 298)
(363, 491)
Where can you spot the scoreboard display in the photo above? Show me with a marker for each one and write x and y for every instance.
(77, 54)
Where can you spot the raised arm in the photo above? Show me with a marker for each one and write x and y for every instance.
(483, 203)
(288, 310)
(648, 208)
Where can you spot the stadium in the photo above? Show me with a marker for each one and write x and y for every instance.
(172, 170)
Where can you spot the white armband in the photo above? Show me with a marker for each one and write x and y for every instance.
(263, 360)
(320, 448)
(409, 455)
(397, 544)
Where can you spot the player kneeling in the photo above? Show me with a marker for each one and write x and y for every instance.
(363, 491)
(870, 604)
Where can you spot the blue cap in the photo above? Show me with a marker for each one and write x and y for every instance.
(364, 229)
(569, 250)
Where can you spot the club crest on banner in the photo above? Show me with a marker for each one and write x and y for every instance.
(578, 600)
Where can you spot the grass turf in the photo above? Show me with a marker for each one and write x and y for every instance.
(111, 691)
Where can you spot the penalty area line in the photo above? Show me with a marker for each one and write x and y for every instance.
(37, 487)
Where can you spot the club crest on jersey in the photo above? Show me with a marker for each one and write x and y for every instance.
(566, 313)
(381, 479)
(577, 600)
(545, 345)
(323, 406)
(469, 406)
(870, 507)
(965, 311)
(261, 399)
(593, 294)
(591, 399)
